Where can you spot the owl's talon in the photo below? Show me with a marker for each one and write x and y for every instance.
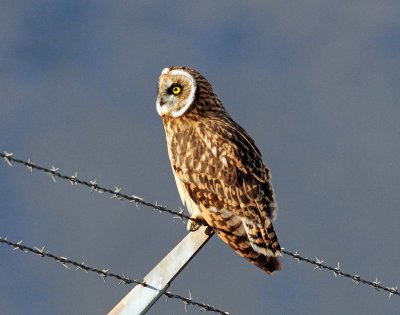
(195, 223)
(193, 226)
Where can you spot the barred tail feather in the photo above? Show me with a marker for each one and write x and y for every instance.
(242, 245)
(247, 239)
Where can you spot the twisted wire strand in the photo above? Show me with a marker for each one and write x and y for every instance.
(92, 184)
(105, 273)
(53, 172)
(319, 265)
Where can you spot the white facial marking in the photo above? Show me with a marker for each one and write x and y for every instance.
(165, 71)
(190, 98)
(160, 109)
(170, 82)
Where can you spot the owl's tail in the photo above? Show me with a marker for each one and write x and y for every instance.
(268, 264)
(256, 242)
(267, 261)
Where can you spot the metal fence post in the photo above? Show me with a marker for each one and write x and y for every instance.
(140, 299)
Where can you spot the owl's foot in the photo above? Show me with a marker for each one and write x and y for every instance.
(195, 222)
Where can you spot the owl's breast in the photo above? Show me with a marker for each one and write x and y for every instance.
(185, 147)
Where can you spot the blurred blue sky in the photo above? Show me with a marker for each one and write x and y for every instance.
(316, 84)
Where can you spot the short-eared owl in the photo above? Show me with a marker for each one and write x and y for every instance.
(218, 169)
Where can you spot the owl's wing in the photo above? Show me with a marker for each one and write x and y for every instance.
(220, 170)
(244, 162)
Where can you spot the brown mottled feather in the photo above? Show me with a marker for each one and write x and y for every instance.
(219, 170)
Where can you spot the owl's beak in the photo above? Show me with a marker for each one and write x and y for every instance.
(161, 101)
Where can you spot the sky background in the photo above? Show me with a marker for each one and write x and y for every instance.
(315, 83)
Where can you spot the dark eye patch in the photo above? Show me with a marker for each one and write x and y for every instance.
(173, 87)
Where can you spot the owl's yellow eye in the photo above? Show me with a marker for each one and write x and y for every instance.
(175, 89)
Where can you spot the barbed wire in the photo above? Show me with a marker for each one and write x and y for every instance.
(116, 193)
(92, 184)
(106, 273)
(319, 265)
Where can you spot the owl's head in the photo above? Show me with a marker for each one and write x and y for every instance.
(181, 89)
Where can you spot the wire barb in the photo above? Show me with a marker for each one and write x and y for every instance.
(7, 157)
(318, 264)
(52, 172)
(392, 290)
(117, 192)
(29, 165)
(104, 273)
(73, 179)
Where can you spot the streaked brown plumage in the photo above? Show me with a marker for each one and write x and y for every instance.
(218, 169)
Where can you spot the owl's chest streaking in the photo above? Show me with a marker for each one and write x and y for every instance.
(185, 147)
(195, 152)
(185, 152)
